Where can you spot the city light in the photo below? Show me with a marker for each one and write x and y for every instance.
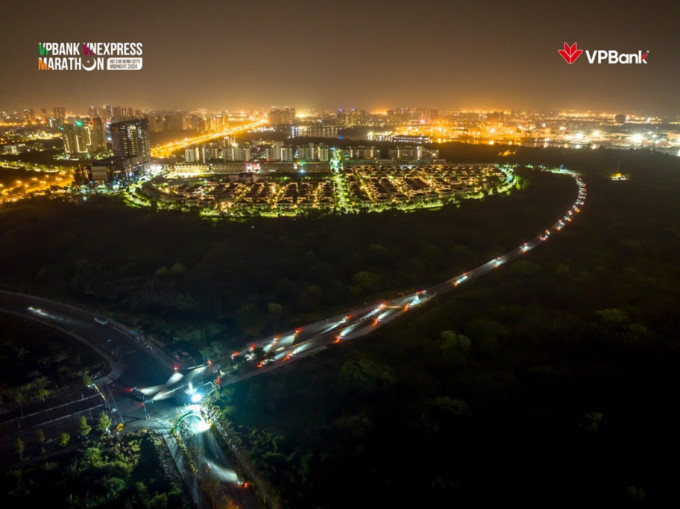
(318, 254)
(168, 149)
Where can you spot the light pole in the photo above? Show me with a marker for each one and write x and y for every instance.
(115, 404)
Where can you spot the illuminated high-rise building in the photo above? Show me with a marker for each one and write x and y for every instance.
(29, 116)
(236, 153)
(107, 113)
(351, 117)
(58, 116)
(84, 137)
(74, 137)
(399, 115)
(121, 113)
(203, 153)
(278, 152)
(281, 116)
(131, 138)
(131, 149)
(312, 152)
(156, 121)
(97, 135)
(426, 115)
(59, 113)
(191, 154)
(322, 152)
(174, 121)
(362, 152)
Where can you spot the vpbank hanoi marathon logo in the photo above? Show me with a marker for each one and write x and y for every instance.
(599, 56)
(89, 56)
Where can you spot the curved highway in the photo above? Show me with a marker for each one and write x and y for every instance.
(136, 368)
(280, 350)
(134, 362)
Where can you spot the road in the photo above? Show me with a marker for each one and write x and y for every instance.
(133, 363)
(215, 475)
(136, 363)
(282, 349)
(168, 149)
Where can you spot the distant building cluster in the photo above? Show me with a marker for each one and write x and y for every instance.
(203, 153)
(132, 153)
(20, 148)
(272, 151)
(226, 190)
(351, 117)
(84, 136)
(407, 115)
(160, 121)
(395, 183)
(413, 153)
(167, 121)
(281, 116)
(361, 153)
(315, 131)
(58, 116)
(115, 113)
(320, 126)
(122, 132)
(278, 151)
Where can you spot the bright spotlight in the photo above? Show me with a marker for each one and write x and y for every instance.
(195, 398)
(201, 426)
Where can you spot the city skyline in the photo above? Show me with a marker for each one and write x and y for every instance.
(461, 57)
(85, 111)
(305, 254)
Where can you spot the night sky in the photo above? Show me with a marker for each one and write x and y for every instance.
(371, 55)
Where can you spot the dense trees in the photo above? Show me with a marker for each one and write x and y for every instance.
(83, 427)
(40, 438)
(191, 282)
(37, 363)
(550, 382)
(19, 448)
(64, 439)
(103, 423)
(125, 471)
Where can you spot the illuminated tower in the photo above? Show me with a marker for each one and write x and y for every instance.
(281, 116)
(97, 135)
(131, 138)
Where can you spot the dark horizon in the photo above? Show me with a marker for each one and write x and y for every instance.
(214, 55)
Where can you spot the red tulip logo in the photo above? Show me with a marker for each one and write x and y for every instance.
(570, 53)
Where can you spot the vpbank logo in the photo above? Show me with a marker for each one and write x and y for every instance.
(570, 53)
(600, 56)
